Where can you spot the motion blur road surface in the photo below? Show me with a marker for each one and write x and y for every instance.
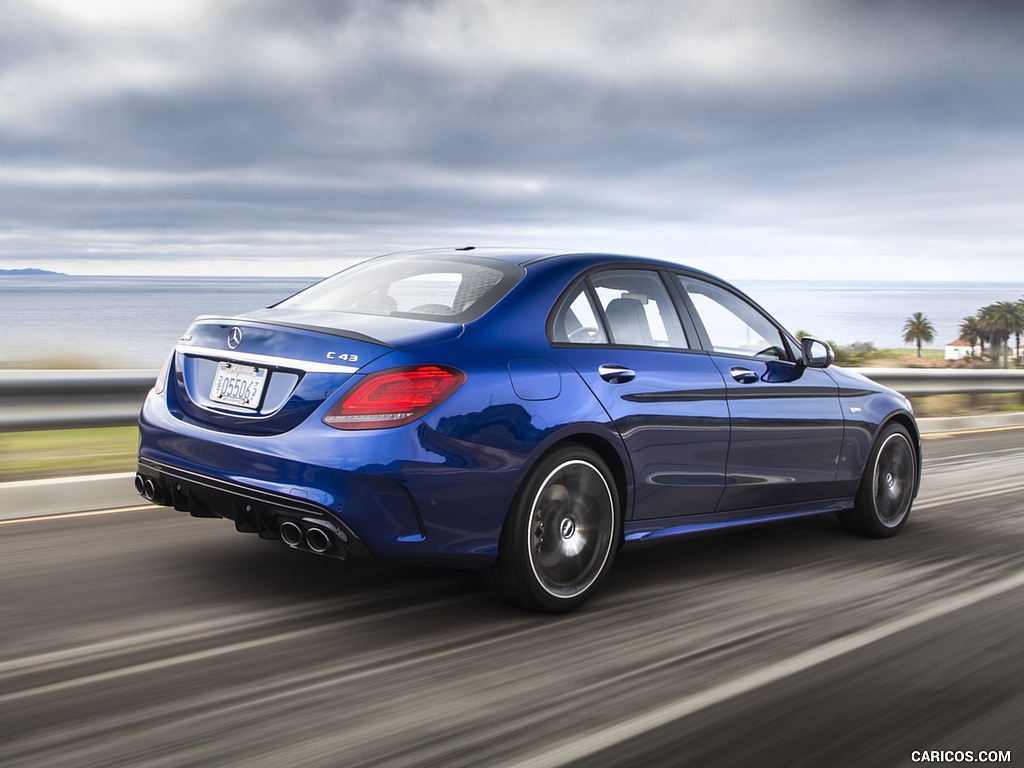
(148, 638)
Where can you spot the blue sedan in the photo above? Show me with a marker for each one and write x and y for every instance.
(524, 413)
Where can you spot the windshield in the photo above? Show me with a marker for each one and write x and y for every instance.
(416, 286)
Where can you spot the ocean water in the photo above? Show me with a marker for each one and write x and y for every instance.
(118, 322)
(871, 311)
(132, 322)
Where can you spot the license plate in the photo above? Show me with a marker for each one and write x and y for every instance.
(238, 385)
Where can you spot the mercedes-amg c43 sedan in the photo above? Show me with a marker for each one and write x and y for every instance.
(523, 413)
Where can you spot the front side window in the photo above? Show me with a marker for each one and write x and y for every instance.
(733, 326)
(456, 291)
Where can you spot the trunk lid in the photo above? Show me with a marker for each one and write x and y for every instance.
(265, 375)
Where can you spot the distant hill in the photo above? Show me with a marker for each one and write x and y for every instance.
(29, 271)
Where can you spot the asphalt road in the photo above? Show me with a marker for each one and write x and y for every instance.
(148, 638)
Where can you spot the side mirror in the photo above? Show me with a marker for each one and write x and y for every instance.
(816, 353)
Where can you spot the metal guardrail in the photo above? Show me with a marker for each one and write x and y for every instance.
(31, 400)
(915, 382)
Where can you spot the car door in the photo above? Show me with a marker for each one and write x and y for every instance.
(619, 329)
(787, 421)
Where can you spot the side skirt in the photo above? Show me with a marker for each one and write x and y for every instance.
(638, 532)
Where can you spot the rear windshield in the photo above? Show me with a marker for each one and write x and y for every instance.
(422, 287)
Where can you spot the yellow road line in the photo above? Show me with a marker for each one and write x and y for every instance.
(67, 515)
(970, 432)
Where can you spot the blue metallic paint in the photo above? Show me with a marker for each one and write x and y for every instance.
(786, 435)
(691, 449)
(674, 421)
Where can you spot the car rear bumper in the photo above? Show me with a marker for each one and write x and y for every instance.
(303, 524)
(408, 495)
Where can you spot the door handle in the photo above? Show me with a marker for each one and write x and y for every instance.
(744, 375)
(616, 374)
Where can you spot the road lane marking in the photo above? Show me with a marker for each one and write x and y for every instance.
(68, 480)
(588, 744)
(956, 432)
(67, 515)
(928, 500)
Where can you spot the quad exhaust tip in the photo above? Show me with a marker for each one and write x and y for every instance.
(146, 488)
(291, 534)
(317, 540)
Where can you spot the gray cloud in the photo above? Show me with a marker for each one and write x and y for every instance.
(885, 131)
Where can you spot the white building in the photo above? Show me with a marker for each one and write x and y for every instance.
(959, 349)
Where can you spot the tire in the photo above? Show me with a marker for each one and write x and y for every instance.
(561, 534)
(886, 492)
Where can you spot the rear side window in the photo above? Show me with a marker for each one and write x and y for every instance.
(633, 309)
(638, 309)
(576, 321)
(427, 288)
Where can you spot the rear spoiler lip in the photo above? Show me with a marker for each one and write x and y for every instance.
(354, 335)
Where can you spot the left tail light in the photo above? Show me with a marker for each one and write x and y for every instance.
(161, 379)
(394, 397)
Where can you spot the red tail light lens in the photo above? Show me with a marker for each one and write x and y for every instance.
(396, 397)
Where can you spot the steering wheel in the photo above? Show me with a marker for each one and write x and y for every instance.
(587, 334)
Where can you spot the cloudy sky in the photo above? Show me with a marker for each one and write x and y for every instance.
(752, 138)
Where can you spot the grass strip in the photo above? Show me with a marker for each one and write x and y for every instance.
(66, 452)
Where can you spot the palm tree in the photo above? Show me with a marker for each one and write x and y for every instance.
(1014, 313)
(917, 328)
(992, 328)
(1002, 320)
(1019, 329)
(971, 332)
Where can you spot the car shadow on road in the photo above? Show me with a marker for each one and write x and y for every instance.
(263, 573)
